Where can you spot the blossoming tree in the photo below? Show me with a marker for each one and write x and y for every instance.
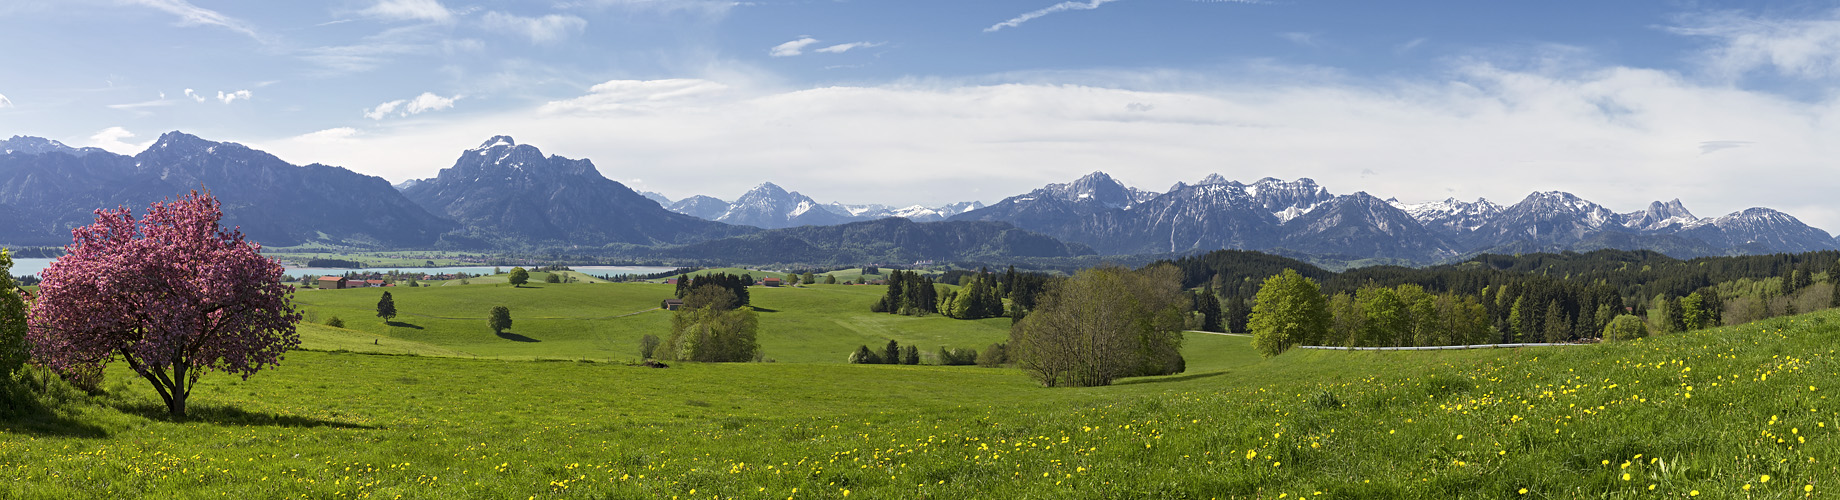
(172, 294)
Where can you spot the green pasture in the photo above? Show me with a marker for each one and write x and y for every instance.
(1734, 412)
(815, 324)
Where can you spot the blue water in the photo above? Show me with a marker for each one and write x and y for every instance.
(23, 267)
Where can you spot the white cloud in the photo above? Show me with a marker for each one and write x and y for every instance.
(1300, 38)
(410, 10)
(192, 15)
(1075, 5)
(1804, 47)
(111, 140)
(428, 101)
(638, 95)
(4, 102)
(1059, 7)
(792, 48)
(194, 95)
(540, 30)
(162, 101)
(328, 136)
(384, 109)
(843, 47)
(228, 98)
(711, 8)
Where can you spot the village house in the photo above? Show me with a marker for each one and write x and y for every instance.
(333, 282)
(671, 304)
(770, 282)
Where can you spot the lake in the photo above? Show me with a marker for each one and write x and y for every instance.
(23, 267)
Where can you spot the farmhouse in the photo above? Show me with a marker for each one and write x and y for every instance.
(332, 282)
(373, 283)
(671, 304)
(770, 282)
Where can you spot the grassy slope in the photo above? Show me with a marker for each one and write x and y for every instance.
(819, 323)
(1558, 422)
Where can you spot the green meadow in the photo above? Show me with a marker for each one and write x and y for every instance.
(439, 407)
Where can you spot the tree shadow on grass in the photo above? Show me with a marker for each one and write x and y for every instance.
(29, 416)
(402, 324)
(230, 415)
(765, 310)
(515, 337)
(1170, 378)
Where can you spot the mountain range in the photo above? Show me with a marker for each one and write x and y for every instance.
(770, 206)
(505, 195)
(1300, 217)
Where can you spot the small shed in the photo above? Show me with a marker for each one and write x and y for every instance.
(332, 282)
(770, 282)
(671, 304)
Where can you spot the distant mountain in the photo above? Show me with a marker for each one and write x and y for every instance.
(892, 240)
(49, 188)
(40, 145)
(506, 194)
(1759, 230)
(662, 201)
(916, 213)
(1362, 226)
(770, 206)
(701, 207)
(1300, 217)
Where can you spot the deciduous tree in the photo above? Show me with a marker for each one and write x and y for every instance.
(500, 319)
(13, 348)
(173, 294)
(519, 276)
(1288, 310)
(1102, 324)
(386, 307)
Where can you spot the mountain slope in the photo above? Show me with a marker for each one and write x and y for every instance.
(507, 194)
(274, 202)
(890, 240)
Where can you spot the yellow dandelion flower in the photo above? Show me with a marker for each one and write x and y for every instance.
(1764, 479)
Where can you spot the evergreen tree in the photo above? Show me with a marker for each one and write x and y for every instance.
(1236, 314)
(1209, 307)
(910, 355)
(683, 285)
(386, 307)
(892, 353)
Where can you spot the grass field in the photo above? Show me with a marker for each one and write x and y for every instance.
(604, 322)
(1737, 412)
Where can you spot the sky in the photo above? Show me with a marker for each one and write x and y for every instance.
(1722, 104)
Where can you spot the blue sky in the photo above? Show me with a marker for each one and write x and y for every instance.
(1725, 105)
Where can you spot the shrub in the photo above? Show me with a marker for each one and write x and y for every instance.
(1624, 328)
(994, 356)
(335, 322)
(864, 356)
(648, 345)
(708, 334)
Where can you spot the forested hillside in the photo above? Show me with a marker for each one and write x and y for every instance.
(1535, 297)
